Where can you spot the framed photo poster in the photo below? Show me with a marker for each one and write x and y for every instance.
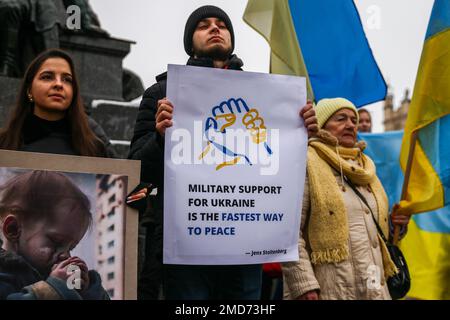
(61, 183)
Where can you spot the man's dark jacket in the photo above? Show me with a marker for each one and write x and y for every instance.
(148, 146)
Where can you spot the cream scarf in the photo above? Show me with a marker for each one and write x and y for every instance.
(328, 225)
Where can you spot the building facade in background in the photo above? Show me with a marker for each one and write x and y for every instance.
(109, 238)
(395, 119)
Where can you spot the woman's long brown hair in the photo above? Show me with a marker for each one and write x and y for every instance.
(84, 141)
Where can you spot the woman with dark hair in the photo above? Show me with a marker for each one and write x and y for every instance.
(49, 116)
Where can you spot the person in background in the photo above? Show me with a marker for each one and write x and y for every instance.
(365, 121)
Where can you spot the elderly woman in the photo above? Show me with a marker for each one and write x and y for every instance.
(341, 253)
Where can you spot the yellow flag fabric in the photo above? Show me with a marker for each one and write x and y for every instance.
(428, 256)
(428, 117)
(272, 19)
(427, 244)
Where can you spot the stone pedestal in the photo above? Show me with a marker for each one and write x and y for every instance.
(99, 65)
(117, 119)
(9, 87)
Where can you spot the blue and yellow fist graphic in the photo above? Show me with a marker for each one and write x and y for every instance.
(234, 114)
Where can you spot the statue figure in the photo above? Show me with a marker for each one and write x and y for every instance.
(89, 20)
(28, 27)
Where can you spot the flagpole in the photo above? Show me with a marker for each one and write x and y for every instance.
(406, 180)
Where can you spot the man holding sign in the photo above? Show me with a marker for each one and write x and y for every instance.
(209, 41)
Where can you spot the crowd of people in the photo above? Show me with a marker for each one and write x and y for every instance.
(338, 240)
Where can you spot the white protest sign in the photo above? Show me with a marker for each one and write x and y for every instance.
(235, 162)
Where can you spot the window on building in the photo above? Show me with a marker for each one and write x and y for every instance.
(111, 228)
(111, 276)
(112, 213)
(110, 293)
(111, 244)
(100, 249)
(111, 259)
(112, 198)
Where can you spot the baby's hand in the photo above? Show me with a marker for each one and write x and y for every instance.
(60, 271)
(84, 272)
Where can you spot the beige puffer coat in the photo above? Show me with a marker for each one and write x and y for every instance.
(349, 279)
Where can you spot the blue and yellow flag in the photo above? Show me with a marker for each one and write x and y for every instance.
(427, 251)
(429, 119)
(384, 150)
(323, 39)
(427, 244)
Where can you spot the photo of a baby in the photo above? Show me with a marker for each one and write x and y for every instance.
(62, 235)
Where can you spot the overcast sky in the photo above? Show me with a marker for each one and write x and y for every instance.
(395, 30)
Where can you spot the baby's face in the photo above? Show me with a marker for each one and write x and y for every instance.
(48, 241)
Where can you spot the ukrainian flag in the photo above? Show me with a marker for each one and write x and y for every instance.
(322, 40)
(427, 251)
(427, 244)
(429, 119)
(384, 150)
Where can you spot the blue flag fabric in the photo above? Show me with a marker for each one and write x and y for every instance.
(384, 150)
(427, 243)
(336, 52)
